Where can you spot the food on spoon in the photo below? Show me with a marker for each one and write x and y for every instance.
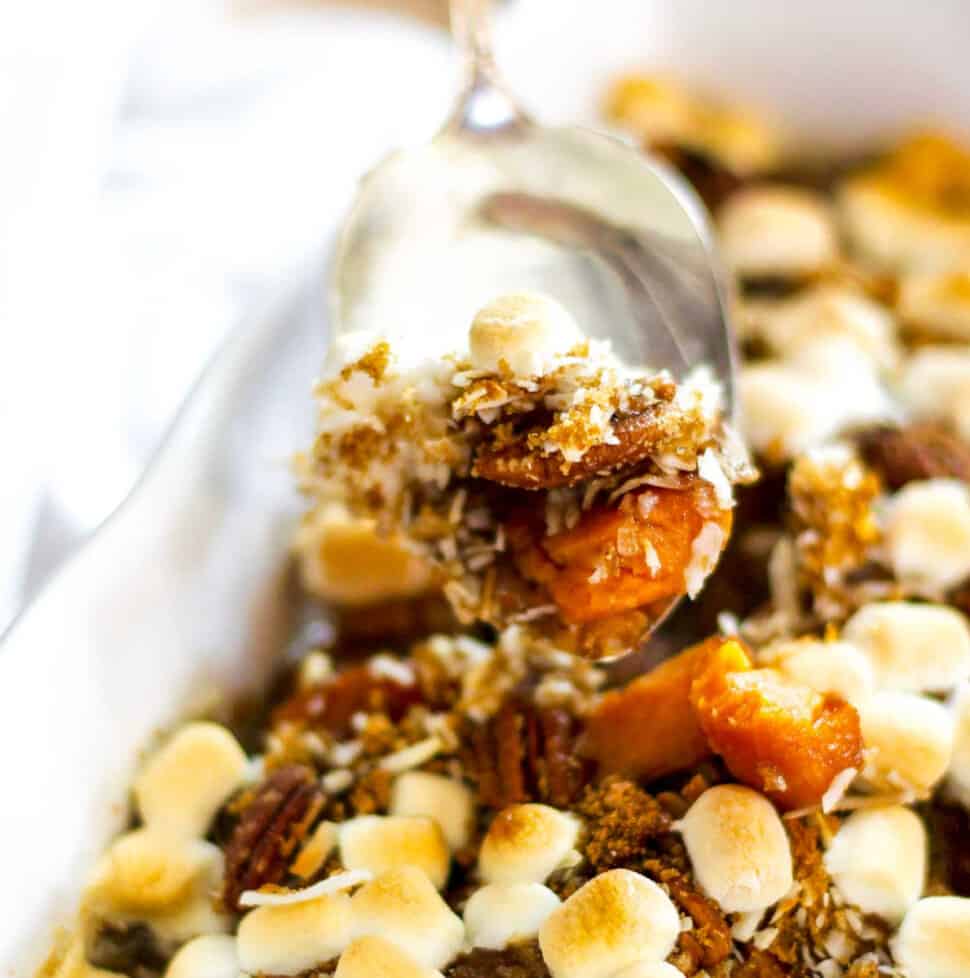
(538, 477)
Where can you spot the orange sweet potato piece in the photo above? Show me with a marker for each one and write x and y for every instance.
(617, 558)
(777, 736)
(648, 729)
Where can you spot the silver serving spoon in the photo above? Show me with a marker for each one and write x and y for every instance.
(497, 202)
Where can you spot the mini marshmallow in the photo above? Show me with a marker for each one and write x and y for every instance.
(616, 919)
(188, 780)
(771, 230)
(934, 380)
(738, 847)
(826, 667)
(937, 303)
(449, 802)
(928, 535)
(525, 843)
(857, 860)
(379, 842)
(285, 940)
(921, 648)
(908, 739)
(521, 332)
(373, 957)
(72, 962)
(403, 906)
(211, 956)
(958, 776)
(501, 913)
(650, 969)
(934, 939)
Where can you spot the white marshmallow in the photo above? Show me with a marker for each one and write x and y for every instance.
(650, 969)
(826, 667)
(908, 740)
(934, 939)
(958, 776)
(500, 913)
(402, 906)
(449, 802)
(185, 782)
(288, 939)
(937, 303)
(525, 843)
(878, 860)
(934, 379)
(776, 230)
(928, 535)
(921, 648)
(738, 847)
(524, 331)
(616, 919)
(211, 956)
(373, 957)
(378, 842)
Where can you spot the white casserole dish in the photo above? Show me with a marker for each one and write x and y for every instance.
(179, 589)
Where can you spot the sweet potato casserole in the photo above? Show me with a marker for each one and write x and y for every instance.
(457, 782)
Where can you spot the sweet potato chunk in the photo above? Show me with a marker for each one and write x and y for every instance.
(779, 737)
(648, 729)
(619, 557)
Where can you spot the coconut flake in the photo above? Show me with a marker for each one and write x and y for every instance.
(709, 469)
(704, 552)
(280, 897)
(837, 789)
(412, 756)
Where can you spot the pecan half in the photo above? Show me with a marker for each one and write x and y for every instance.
(913, 453)
(270, 828)
(525, 753)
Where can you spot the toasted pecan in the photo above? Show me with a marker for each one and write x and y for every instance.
(914, 452)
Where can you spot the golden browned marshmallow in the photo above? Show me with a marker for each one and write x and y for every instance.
(922, 648)
(211, 956)
(658, 110)
(500, 913)
(774, 230)
(294, 937)
(525, 843)
(71, 961)
(826, 667)
(934, 939)
(936, 303)
(613, 921)
(344, 559)
(449, 802)
(185, 783)
(373, 957)
(738, 847)
(958, 775)
(402, 906)
(521, 333)
(878, 860)
(908, 739)
(379, 842)
(928, 535)
(650, 969)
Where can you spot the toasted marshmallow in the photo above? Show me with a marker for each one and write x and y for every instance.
(373, 957)
(71, 962)
(450, 803)
(344, 559)
(656, 109)
(521, 333)
(934, 939)
(185, 783)
(935, 381)
(857, 860)
(402, 906)
(501, 913)
(525, 843)
(958, 775)
(922, 648)
(937, 303)
(211, 956)
(773, 230)
(378, 842)
(928, 535)
(614, 920)
(738, 847)
(827, 667)
(909, 741)
(650, 969)
(285, 940)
